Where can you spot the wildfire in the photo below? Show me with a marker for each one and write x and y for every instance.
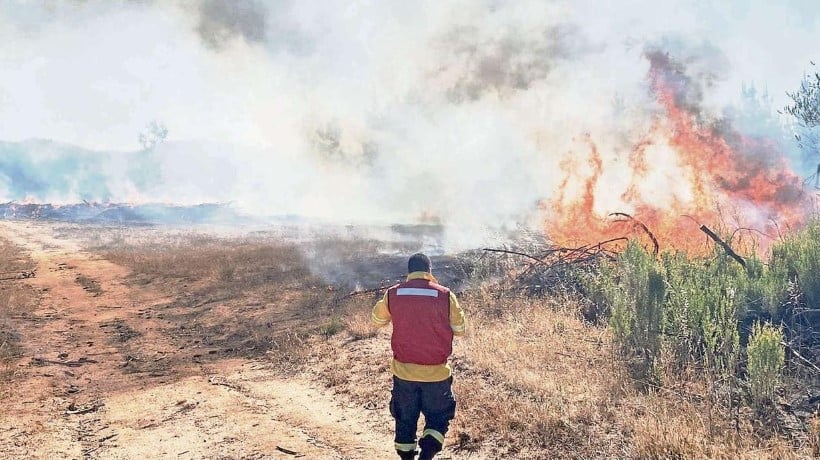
(711, 174)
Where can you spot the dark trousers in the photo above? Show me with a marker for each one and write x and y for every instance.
(433, 399)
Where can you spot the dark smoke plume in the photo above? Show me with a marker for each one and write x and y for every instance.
(512, 62)
(689, 71)
(221, 21)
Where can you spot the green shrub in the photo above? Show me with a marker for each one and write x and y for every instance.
(685, 306)
(797, 259)
(766, 357)
(635, 289)
(762, 291)
(689, 309)
(700, 320)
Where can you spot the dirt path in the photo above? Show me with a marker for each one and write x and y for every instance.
(101, 378)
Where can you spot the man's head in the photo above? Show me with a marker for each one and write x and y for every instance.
(418, 263)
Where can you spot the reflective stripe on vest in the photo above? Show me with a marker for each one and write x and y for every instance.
(417, 291)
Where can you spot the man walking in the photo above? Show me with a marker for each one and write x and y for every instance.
(425, 316)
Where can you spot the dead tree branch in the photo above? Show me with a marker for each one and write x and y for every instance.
(806, 362)
(729, 251)
(643, 227)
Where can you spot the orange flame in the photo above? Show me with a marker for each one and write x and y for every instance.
(723, 178)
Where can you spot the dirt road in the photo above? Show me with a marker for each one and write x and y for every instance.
(100, 377)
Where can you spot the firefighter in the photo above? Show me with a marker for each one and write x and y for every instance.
(425, 316)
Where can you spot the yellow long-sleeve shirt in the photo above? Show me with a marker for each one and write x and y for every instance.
(421, 372)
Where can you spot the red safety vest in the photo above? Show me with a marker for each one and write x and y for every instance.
(420, 311)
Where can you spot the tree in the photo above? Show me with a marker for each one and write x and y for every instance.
(153, 134)
(805, 107)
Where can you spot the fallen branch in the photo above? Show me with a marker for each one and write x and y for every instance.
(106, 438)
(807, 312)
(288, 451)
(90, 451)
(186, 406)
(222, 381)
(209, 301)
(22, 273)
(729, 251)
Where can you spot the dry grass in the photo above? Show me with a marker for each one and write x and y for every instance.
(356, 318)
(533, 379)
(17, 299)
(540, 374)
(244, 296)
(244, 263)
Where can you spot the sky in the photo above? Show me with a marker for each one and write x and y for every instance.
(461, 110)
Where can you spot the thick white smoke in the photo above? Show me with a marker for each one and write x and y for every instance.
(365, 111)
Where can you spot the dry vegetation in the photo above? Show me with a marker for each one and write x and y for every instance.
(208, 279)
(533, 378)
(17, 299)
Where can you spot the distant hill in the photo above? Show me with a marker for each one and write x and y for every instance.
(38, 177)
(43, 171)
(46, 171)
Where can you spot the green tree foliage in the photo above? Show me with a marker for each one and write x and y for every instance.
(805, 108)
(805, 104)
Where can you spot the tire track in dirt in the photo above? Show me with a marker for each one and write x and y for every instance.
(103, 379)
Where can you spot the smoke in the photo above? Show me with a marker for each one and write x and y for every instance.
(221, 21)
(478, 115)
(474, 65)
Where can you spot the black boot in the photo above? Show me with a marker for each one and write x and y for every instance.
(407, 454)
(429, 447)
